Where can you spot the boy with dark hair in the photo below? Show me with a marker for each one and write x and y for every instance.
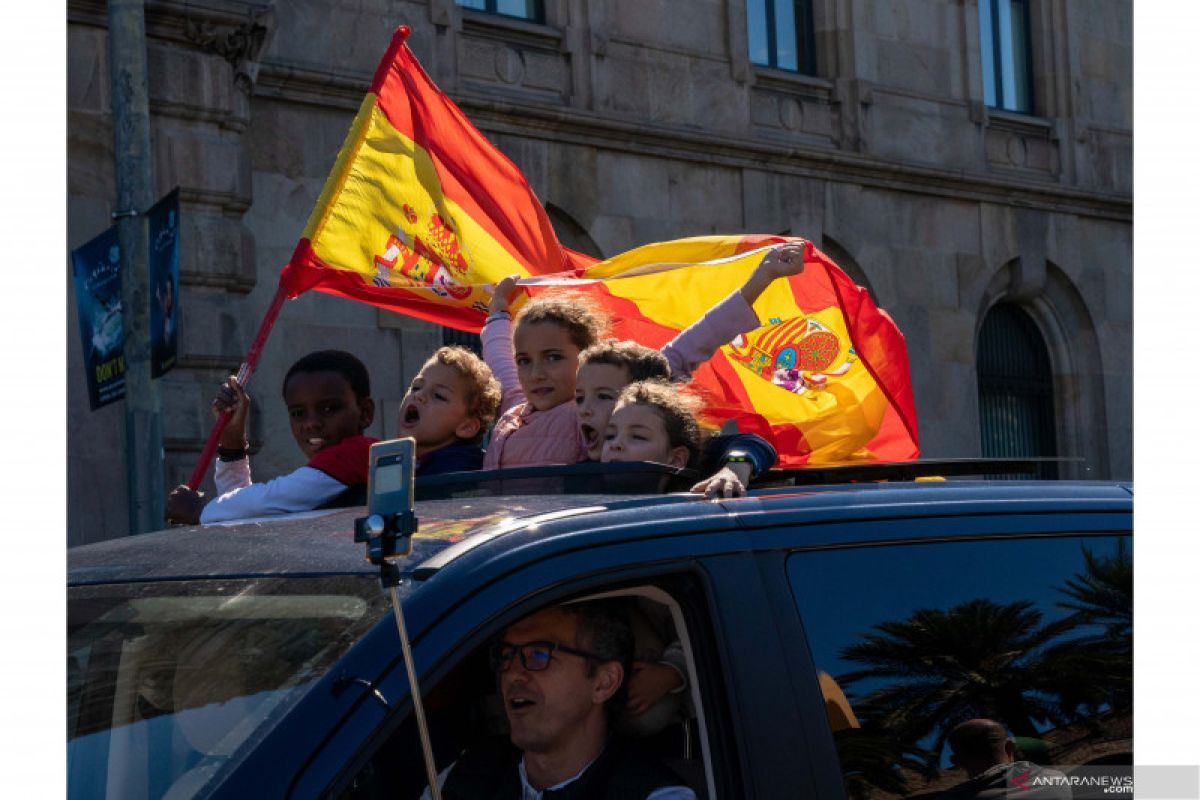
(329, 404)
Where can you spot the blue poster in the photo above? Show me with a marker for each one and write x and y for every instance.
(97, 267)
(164, 283)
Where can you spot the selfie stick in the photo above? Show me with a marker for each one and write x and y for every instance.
(243, 375)
(386, 531)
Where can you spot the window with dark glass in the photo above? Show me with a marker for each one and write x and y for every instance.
(1016, 388)
(1032, 638)
(1005, 49)
(781, 34)
(532, 10)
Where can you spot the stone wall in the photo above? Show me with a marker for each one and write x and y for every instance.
(636, 121)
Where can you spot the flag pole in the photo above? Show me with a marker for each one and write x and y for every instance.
(243, 375)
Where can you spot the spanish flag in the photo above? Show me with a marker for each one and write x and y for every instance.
(423, 215)
(825, 376)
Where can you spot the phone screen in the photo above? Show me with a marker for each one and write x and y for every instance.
(389, 477)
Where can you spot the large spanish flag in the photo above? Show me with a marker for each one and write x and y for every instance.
(423, 215)
(421, 212)
(825, 376)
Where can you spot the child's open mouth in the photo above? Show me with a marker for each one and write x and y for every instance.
(411, 415)
(590, 435)
(316, 443)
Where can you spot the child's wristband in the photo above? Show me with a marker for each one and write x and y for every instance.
(740, 457)
(495, 315)
(231, 453)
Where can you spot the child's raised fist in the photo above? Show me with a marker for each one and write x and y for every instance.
(184, 505)
(502, 294)
(779, 262)
(232, 399)
(782, 261)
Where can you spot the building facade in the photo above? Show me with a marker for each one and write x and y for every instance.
(969, 161)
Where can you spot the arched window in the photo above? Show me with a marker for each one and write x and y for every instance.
(1016, 388)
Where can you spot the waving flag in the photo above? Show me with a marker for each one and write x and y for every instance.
(422, 215)
(826, 375)
(421, 212)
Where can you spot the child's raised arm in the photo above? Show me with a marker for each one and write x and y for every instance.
(779, 262)
(184, 504)
(498, 346)
(731, 317)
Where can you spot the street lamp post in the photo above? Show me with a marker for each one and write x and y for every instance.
(135, 194)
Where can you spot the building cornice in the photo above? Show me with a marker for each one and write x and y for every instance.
(326, 88)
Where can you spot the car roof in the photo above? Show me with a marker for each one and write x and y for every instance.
(322, 543)
(314, 543)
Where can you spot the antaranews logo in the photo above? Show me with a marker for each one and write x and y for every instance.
(1080, 783)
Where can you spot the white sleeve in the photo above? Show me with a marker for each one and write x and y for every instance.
(302, 490)
(441, 781)
(230, 475)
(672, 793)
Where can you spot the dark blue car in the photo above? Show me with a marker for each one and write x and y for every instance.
(833, 636)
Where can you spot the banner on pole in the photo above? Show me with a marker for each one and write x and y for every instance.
(164, 283)
(97, 268)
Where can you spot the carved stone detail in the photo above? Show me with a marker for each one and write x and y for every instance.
(240, 45)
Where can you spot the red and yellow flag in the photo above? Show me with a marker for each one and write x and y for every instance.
(826, 375)
(422, 215)
(421, 212)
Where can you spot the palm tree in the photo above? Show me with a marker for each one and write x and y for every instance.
(1101, 606)
(1103, 596)
(976, 659)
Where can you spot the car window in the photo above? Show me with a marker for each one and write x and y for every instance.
(464, 708)
(169, 683)
(909, 641)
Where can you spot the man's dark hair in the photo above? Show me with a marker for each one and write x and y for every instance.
(603, 628)
(339, 361)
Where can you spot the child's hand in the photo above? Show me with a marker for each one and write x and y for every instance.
(779, 262)
(649, 684)
(729, 481)
(232, 398)
(502, 294)
(783, 261)
(184, 505)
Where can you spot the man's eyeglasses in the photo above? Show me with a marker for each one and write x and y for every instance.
(535, 656)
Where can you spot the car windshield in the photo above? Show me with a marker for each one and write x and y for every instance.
(169, 682)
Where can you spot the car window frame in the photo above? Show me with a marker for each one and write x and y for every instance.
(822, 751)
(725, 764)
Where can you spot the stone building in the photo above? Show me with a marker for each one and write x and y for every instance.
(967, 164)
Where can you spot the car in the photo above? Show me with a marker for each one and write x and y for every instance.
(833, 635)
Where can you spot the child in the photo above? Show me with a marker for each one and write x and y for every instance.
(536, 365)
(653, 421)
(606, 368)
(328, 397)
(449, 405)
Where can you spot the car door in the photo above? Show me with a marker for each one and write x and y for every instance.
(744, 700)
(898, 629)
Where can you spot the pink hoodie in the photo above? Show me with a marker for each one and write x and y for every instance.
(524, 437)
